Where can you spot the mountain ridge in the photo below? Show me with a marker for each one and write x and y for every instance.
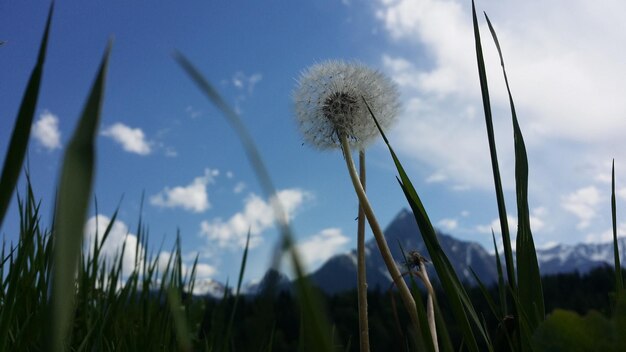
(338, 273)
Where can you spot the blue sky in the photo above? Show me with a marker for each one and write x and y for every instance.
(160, 136)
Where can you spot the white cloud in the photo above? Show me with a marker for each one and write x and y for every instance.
(621, 193)
(553, 59)
(436, 178)
(193, 112)
(607, 235)
(537, 224)
(132, 140)
(192, 197)
(448, 224)
(121, 241)
(119, 237)
(46, 131)
(582, 203)
(256, 217)
(566, 76)
(321, 246)
(239, 187)
(246, 83)
(203, 271)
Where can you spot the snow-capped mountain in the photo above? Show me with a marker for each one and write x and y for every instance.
(209, 287)
(339, 272)
(581, 257)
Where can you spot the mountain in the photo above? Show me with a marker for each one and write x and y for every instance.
(339, 272)
(209, 287)
(580, 257)
(272, 278)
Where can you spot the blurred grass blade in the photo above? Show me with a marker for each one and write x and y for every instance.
(21, 130)
(460, 303)
(619, 281)
(530, 292)
(180, 325)
(74, 192)
(231, 322)
(320, 328)
(504, 223)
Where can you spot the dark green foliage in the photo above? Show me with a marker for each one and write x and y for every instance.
(21, 130)
(567, 331)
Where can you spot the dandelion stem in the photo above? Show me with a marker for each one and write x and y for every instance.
(430, 307)
(364, 340)
(405, 294)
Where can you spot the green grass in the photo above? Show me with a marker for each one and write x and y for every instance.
(56, 295)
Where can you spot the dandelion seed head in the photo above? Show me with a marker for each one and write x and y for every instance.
(329, 103)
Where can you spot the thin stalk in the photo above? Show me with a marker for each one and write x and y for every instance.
(364, 339)
(405, 294)
(430, 306)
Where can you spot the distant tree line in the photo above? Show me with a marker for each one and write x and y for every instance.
(264, 321)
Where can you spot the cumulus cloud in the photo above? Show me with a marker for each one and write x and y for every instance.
(566, 76)
(193, 197)
(121, 243)
(321, 246)
(119, 237)
(256, 217)
(582, 203)
(132, 140)
(606, 235)
(537, 223)
(46, 131)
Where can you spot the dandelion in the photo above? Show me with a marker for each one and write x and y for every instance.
(330, 103)
(335, 103)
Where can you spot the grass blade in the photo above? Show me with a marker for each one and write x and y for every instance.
(320, 328)
(180, 326)
(231, 321)
(530, 292)
(74, 192)
(619, 281)
(21, 130)
(501, 285)
(460, 303)
(504, 223)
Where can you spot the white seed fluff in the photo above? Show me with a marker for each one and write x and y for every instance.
(329, 103)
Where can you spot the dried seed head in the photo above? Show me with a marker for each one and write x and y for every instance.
(329, 103)
(414, 260)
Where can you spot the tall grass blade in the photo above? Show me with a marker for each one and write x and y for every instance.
(460, 303)
(619, 280)
(180, 325)
(74, 192)
(320, 328)
(530, 291)
(21, 130)
(501, 285)
(231, 321)
(504, 223)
